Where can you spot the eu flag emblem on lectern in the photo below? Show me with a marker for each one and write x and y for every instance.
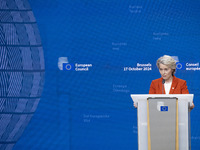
(164, 108)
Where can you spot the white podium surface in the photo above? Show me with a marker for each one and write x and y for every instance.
(184, 102)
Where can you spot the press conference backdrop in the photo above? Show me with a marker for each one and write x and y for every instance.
(97, 53)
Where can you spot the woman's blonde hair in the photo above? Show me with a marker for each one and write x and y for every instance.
(168, 61)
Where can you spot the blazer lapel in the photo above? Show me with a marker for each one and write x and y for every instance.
(173, 86)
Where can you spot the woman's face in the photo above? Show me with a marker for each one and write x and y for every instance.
(165, 72)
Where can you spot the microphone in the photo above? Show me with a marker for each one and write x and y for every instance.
(163, 82)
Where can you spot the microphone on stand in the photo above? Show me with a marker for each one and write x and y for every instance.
(163, 82)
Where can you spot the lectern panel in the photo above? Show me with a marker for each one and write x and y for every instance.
(162, 123)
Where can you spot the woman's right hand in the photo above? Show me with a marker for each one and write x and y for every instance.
(135, 105)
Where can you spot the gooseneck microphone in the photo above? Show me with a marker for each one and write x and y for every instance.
(163, 82)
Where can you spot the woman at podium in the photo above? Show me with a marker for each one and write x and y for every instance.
(168, 83)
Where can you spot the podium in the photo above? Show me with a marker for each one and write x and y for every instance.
(163, 121)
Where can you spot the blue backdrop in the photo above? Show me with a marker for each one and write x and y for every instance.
(92, 109)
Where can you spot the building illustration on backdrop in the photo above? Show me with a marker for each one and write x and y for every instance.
(21, 69)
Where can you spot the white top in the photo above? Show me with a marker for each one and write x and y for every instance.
(167, 87)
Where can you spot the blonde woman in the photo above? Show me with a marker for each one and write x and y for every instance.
(168, 83)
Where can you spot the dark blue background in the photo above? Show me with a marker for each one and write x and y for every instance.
(90, 32)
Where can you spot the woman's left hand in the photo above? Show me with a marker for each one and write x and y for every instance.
(192, 106)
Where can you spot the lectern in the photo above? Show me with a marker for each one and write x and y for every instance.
(163, 121)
